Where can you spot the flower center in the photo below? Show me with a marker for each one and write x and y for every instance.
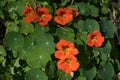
(41, 14)
(65, 49)
(62, 14)
(68, 61)
(94, 38)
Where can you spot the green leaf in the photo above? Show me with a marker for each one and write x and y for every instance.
(2, 2)
(90, 25)
(37, 57)
(63, 76)
(11, 26)
(107, 27)
(32, 3)
(81, 78)
(17, 7)
(51, 69)
(65, 33)
(104, 51)
(106, 72)
(83, 9)
(13, 40)
(35, 74)
(104, 10)
(74, 6)
(79, 25)
(82, 36)
(64, 2)
(91, 73)
(26, 28)
(93, 10)
(29, 42)
(45, 40)
(41, 29)
(1, 14)
(2, 51)
(1, 59)
(21, 54)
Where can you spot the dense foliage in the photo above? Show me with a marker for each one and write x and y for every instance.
(59, 40)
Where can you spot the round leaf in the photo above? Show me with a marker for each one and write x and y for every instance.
(90, 25)
(66, 33)
(37, 57)
(106, 72)
(35, 74)
(13, 40)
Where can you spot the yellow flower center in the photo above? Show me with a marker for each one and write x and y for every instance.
(65, 49)
(94, 38)
(68, 61)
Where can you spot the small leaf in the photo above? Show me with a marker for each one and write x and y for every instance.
(63, 76)
(2, 51)
(79, 25)
(26, 28)
(29, 42)
(66, 33)
(93, 10)
(83, 10)
(11, 26)
(37, 57)
(91, 25)
(107, 27)
(104, 10)
(51, 69)
(104, 51)
(91, 73)
(82, 36)
(106, 72)
(45, 40)
(81, 78)
(35, 74)
(13, 40)
(40, 29)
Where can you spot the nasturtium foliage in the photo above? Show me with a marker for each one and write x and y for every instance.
(81, 36)
(11, 26)
(51, 69)
(62, 76)
(13, 41)
(106, 72)
(37, 57)
(2, 51)
(27, 50)
(107, 27)
(90, 73)
(36, 74)
(90, 25)
(26, 28)
(45, 40)
(65, 33)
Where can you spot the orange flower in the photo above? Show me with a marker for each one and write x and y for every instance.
(65, 48)
(95, 39)
(63, 17)
(74, 12)
(69, 64)
(29, 13)
(43, 16)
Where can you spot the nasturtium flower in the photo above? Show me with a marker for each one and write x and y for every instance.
(95, 38)
(68, 64)
(29, 14)
(43, 16)
(65, 48)
(74, 12)
(63, 16)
